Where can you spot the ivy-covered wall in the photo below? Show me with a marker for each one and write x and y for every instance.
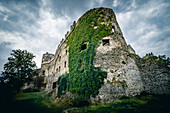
(84, 78)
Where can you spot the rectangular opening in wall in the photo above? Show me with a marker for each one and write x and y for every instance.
(59, 58)
(54, 85)
(66, 52)
(113, 29)
(65, 64)
(59, 69)
(43, 73)
(83, 47)
(105, 42)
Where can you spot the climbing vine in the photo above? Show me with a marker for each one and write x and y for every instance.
(62, 84)
(84, 78)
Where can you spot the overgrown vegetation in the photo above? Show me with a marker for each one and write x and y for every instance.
(140, 104)
(84, 78)
(63, 84)
(33, 102)
(80, 101)
(160, 58)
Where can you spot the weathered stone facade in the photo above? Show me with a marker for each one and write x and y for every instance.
(54, 65)
(127, 73)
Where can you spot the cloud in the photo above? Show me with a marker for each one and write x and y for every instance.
(115, 3)
(39, 35)
(39, 25)
(141, 27)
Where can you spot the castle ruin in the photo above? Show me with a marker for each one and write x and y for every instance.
(127, 73)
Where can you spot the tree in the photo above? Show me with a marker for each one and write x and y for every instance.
(18, 70)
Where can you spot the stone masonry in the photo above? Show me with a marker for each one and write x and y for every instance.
(127, 73)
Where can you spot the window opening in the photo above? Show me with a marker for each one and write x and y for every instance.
(83, 46)
(105, 42)
(65, 64)
(43, 73)
(59, 69)
(113, 29)
(54, 85)
(59, 58)
(66, 52)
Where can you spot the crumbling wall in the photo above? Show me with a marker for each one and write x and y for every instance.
(155, 76)
(55, 65)
(123, 75)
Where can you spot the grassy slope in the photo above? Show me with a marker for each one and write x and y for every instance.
(34, 103)
(141, 104)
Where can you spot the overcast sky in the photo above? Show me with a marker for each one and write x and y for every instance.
(39, 25)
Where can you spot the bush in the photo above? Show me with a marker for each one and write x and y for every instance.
(80, 101)
(62, 84)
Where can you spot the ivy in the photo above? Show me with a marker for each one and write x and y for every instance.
(63, 84)
(84, 78)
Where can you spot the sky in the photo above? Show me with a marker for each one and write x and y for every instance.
(39, 25)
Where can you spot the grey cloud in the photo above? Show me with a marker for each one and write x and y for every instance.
(27, 21)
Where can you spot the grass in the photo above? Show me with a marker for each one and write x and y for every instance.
(140, 104)
(33, 102)
(26, 96)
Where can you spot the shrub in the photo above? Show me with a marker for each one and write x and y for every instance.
(62, 84)
(80, 101)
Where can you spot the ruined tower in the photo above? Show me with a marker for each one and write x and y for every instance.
(99, 61)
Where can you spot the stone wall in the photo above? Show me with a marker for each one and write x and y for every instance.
(155, 76)
(127, 73)
(55, 65)
(123, 75)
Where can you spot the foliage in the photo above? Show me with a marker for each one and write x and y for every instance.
(80, 101)
(84, 78)
(18, 70)
(160, 58)
(139, 104)
(63, 84)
